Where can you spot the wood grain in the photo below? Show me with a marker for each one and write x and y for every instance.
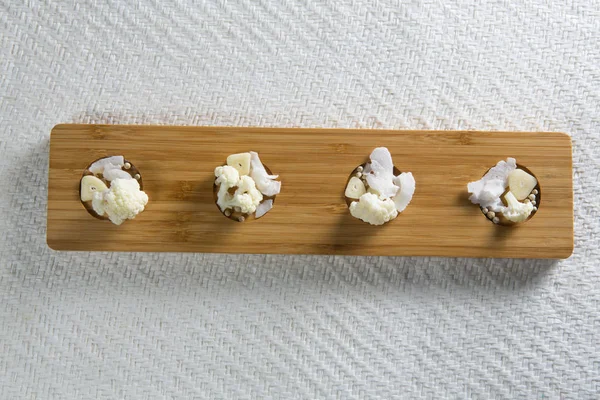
(310, 215)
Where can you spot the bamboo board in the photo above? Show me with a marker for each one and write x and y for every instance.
(310, 215)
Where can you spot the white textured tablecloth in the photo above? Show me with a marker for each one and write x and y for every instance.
(198, 326)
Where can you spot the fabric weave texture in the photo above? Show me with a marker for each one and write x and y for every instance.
(207, 326)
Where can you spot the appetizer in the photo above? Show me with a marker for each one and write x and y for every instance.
(377, 191)
(244, 188)
(507, 194)
(111, 188)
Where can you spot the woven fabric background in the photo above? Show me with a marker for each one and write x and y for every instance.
(203, 326)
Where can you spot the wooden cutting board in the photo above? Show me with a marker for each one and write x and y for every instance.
(310, 215)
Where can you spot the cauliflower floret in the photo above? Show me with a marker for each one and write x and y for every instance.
(516, 211)
(246, 195)
(370, 208)
(247, 185)
(227, 176)
(123, 200)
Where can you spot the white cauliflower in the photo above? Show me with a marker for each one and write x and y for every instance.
(246, 196)
(227, 176)
(516, 211)
(370, 208)
(123, 200)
